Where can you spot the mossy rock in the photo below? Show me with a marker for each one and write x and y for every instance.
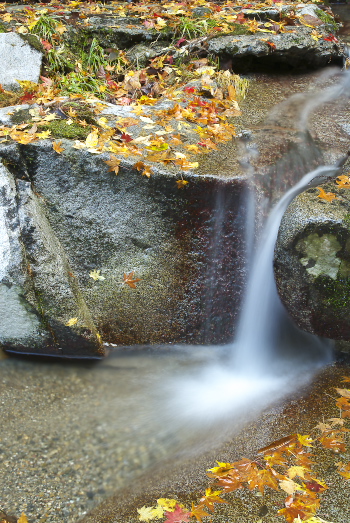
(33, 41)
(61, 129)
(83, 111)
(8, 98)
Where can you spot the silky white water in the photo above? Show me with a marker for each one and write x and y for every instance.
(269, 357)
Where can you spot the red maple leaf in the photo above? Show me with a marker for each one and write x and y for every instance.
(46, 44)
(331, 38)
(126, 137)
(27, 97)
(178, 516)
(180, 42)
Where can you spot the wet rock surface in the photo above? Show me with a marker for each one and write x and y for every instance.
(312, 263)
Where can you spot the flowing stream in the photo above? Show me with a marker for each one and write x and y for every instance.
(270, 357)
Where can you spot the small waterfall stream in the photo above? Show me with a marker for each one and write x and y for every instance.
(263, 319)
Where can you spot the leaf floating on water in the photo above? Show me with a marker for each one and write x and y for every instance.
(181, 184)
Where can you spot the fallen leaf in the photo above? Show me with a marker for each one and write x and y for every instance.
(211, 497)
(57, 146)
(198, 512)
(149, 513)
(179, 515)
(130, 280)
(180, 185)
(113, 163)
(96, 275)
(71, 322)
(305, 440)
(328, 196)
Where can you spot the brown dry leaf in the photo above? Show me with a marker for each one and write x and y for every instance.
(146, 170)
(344, 392)
(113, 163)
(57, 146)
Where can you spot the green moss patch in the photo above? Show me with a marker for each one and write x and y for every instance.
(60, 129)
(336, 293)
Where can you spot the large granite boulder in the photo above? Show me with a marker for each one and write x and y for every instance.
(312, 262)
(81, 230)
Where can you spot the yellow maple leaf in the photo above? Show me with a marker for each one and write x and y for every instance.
(28, 86)
(72, 113)
(57, 146)
(96, 275)
(60, 28)
(44, 134)
(328, 196)
(149, 513)
(22, 519)
(22, 30)
(305, 440)
(296, 471)
(92, 139)
(180, 185)
(71, 322)
(167, 504)
(343, 182)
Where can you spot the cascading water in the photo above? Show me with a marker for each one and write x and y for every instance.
(264, 319)
(270, 357)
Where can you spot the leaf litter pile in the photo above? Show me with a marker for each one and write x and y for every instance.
(287, 466)
(202, 95)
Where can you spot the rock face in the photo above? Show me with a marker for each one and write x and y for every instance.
(312, 263)
(286, 52)
(75, 217)
(18, 61)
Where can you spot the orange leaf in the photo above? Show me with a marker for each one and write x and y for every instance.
(343, 182)
(181, 183)
(198, 512)
(130, 280)
(328, 196)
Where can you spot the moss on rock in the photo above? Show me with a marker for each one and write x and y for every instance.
(60, 129)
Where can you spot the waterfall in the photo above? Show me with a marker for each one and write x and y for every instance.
(263, 319)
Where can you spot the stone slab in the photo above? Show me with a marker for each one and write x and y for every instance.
(18, 61)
